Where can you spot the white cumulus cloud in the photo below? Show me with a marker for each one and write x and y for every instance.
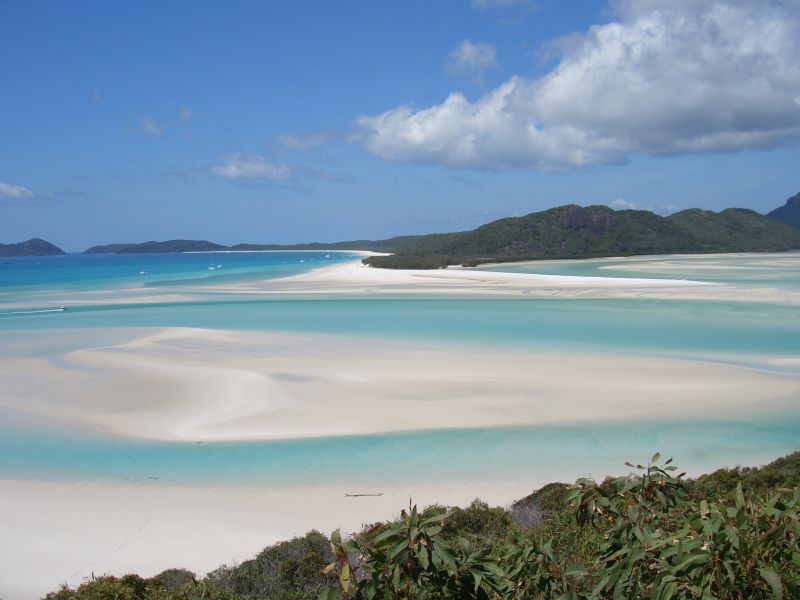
(15, 192)
(469, 58)
(151, 127)
(669, 76)
(303, 142)
(240, 166)
(621, 204)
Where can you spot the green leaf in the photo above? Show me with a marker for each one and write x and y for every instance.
(344, 578)
(332, 594)
(422, 556)
(668, 591)
(328, 568)
(600, 586)
(575, 571)
(477, 576)
(351, 547)
(774, 581)
(693, 560)
(397, 550)
(444, 556)
(386, 535)
(739, 495)
(547, 548)
(437, 518)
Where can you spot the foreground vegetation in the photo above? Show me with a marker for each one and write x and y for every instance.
(652, 534)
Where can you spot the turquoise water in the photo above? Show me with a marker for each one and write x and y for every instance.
(737, 332)
(23, 277)
(713, 330)
(778, 270)
(497, 454)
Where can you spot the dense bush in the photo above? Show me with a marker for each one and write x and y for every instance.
(642, 536)
(652, 534)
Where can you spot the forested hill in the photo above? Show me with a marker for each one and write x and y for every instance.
(789, 213)
(157, 247)
(32, 247)
(395, 244)
(569, 231)
(574, 231)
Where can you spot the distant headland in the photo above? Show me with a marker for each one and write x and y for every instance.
(569, 231)
(31, 247)
(789, 213)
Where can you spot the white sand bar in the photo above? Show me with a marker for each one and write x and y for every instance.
(354, 278)
(197, 384)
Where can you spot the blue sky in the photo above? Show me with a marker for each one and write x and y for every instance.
(280, 122)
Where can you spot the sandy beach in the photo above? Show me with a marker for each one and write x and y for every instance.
(56, 533)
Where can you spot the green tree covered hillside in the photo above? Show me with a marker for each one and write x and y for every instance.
(574, 231)
(789, 213)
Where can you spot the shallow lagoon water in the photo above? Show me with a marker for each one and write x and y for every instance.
(741, 333)
(781, 269)
(538, 454)
(712, 330)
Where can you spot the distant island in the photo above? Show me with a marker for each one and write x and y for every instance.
(574, 231)
(789, 213)
(31, 247)
(157, 247)
(569, 231)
